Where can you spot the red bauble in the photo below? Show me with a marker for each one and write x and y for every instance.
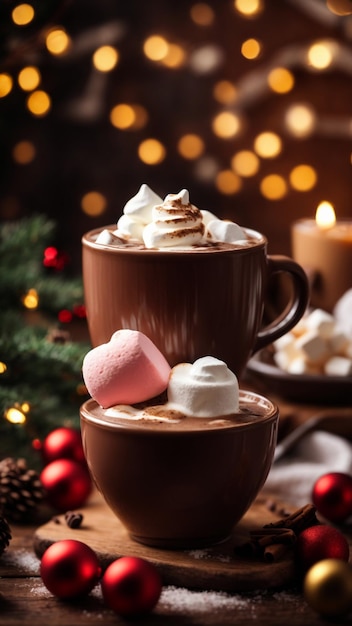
(69, 568)
(67, 484)
(317, 543)
(332, 495)
(131, 586)
(63, 443)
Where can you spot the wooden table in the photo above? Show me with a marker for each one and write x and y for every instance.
(24, 599)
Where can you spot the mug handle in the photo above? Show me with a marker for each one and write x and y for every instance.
(295, 308)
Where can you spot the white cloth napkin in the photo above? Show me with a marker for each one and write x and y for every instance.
(293, 476)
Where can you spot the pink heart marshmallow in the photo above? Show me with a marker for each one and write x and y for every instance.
(126, 370)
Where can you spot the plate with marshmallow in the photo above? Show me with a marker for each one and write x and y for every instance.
(313, 362)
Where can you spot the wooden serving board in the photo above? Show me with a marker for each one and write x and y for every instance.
(214, 568)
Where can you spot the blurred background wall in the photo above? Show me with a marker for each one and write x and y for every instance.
(246, 103)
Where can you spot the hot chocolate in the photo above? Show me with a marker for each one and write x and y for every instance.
(193, 283)
(181, 469)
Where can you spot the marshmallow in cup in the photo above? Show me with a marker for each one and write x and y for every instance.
(206, 388)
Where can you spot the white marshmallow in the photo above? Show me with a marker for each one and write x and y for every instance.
(343, 312)
(207, 216)
(321, 321)
(105, 237)
(338, 366)
(206, 388)
(313, 346)
(224, 231)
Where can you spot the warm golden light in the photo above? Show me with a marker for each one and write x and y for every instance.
(226, 125)
(3, 367)
(29, 78)
(320, 55)
(227, 182)
(39, 103)
(245, 163)
(15, 416)
(281, 80)
(251, 49)
(93, 203)
(57, 41)
(175, 56)
(155, 48)
(273, 187)
(23, 152)
(23, 14)
(128, 116)
(122, 116)
(6, 83)
(105, 58)
(202, 14)
(325, 215)
(248, 8)
(303, 177)
(225, 92)
(267, 145)
(300, 120)
(190, 146)
(340, 7)
(151, 151)
(31, 299)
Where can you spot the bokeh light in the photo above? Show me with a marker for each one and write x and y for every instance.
(249, 8)
(6, 84)
(93, 203)
(251, 49)
(202, 14)
(273, 187)
(128, 116)
(268, 145)
(320, 55)
(151, 151)
(226, 124)
(29, 78)
(228, 182)
(23, 14)
(303, 177)
(190, 146)
(155, 47)
(105, 58)
(57, 41)
(39, 103)
(281, 80)
(23, 152)
(224, 92)
(300, 120)
(245, 163)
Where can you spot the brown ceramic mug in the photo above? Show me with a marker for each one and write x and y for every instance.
(190, 303)
(181, 485)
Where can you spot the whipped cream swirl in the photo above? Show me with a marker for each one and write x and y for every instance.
(175, 222)
(170, 223)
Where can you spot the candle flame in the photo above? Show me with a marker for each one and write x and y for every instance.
(325, 215)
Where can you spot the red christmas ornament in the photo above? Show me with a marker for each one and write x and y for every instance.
(63, 443)
(67, 484)
(317, 543)
(69, 568)
(131, 586)
(332, 495)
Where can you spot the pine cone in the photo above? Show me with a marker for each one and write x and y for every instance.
(5, 534)
(20, 489)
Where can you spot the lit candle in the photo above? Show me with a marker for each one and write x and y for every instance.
(323, 247)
